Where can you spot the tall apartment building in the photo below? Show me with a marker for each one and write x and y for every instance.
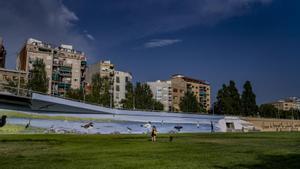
(181, 85)
(120, 81)
(291, 103)
(162, 92)
(104, 68)
(2, 54)
(65, 67)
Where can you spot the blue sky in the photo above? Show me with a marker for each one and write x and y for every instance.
(214, 40)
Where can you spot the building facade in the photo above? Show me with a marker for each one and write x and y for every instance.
(2, 54)
(18, 78)
(104, 68)
(120, 81)
(162, 92)
(291, 103)
(181, 84)
(65, 67)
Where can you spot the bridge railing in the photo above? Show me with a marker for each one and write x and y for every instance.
(22, 92)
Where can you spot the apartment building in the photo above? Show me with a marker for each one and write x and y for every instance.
(65, 67)
(120, 81)
(181, 84)
(104, 68)
(162, 92)
(291, 103)
(17, 77)
(2, 54)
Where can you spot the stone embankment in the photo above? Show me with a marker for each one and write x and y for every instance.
(266, 124)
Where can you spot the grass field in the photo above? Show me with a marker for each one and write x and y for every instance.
(201, 151)
(19, 129)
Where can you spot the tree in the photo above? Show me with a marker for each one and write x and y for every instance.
(268, 110)
(228, 100)
(143, 96)
(100, 93)
(248, 100)
(234, 99)
(106, 97)
(38, 81)
(128, 102)
(157, 105)
(222, 105)
(189, 103)
(140, 97)
(75, 94)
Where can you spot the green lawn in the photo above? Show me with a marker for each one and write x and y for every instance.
(199, 151)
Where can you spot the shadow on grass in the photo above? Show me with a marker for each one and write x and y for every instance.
(290, 161)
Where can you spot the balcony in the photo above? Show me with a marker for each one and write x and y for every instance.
(65, 85)
(55, 76)
(65, 71)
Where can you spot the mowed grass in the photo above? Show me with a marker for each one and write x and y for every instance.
(187, 151)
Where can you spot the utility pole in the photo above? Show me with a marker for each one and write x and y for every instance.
(83, 91)
(133, 102)
(19, 81)
(111, 92)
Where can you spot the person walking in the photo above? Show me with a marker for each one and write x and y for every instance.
(153, 134)
(212, 127)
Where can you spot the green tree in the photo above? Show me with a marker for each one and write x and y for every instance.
(100, 92)
(248, 100)
(189, 103)
(157, 105)
(234, 99)
(222, 105)
(143, 96)
(268, 110)
(38, 81)
(228, 100)
(128, 102)
(106, 97)
(75, 94)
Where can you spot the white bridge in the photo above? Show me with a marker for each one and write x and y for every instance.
(28, 101)
(48, 104)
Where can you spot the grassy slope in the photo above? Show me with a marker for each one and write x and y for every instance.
(18, 129)
(223, 151)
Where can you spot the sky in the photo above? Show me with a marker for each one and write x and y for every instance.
(212, 40)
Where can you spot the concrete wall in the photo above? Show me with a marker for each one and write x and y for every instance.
(265, 124)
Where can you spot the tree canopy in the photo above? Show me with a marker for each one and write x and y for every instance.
(189, 103)
(248, 100)
(140, 97)
(38, 81)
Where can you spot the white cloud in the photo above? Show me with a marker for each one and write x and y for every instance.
(91, 37)
(49, 21)
(161, 42)
(151, 17)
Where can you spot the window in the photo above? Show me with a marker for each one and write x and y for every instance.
(117, 79)
(175, 90)
(127, 79)
(117, 88)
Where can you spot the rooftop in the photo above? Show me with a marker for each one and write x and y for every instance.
(189, 79)
(62, 47)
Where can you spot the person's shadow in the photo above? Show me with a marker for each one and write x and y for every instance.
(289, 161)
(3, 121)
